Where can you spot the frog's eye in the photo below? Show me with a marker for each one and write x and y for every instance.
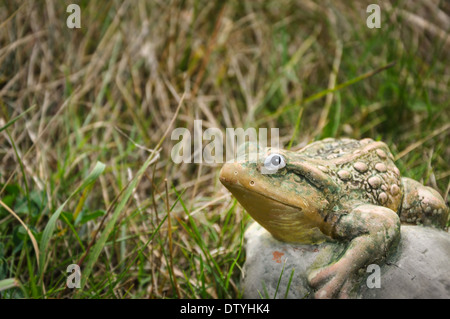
(273, 162)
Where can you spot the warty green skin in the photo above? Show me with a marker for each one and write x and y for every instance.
(334, 189)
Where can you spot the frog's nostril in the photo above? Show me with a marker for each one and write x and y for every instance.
(252, 183)
(235, 172)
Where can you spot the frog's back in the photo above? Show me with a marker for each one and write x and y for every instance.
(331, 148)
(363, 170)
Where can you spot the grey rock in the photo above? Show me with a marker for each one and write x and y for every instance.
(418, 268)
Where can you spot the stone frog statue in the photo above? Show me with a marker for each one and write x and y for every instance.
(336, 189)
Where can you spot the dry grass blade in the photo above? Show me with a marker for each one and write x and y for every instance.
(415, 145)
(33, 239)
(205, 60)
(10, 283)
(169, 231)
(331, 85)
(2, 25)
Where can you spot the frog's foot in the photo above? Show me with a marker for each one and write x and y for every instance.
(422, 205)
(371, 230)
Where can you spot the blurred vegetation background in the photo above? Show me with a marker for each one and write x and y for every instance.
(141, 226)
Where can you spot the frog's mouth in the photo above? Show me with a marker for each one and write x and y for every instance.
(254, 198)
(286, 220)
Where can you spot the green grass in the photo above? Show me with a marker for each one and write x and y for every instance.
(109, 91)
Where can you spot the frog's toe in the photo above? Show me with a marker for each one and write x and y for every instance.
(422, 205)
(347, 289)
(330, 290)
(318, 277)
(327, 281)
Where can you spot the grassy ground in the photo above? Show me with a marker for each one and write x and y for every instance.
(140, 225)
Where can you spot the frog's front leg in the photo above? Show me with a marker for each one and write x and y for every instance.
(371, 230)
